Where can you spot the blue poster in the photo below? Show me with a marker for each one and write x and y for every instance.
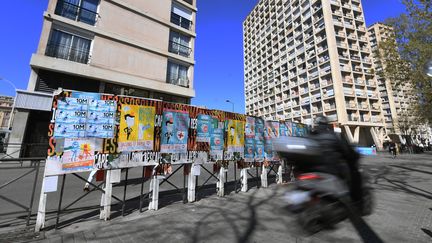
(217, 135)
(85, 115)
(249, 153)
(299, 130)
(259, 139)
(271, 131)
(283, 129)
(86, 95)
(204, 128)
(175, 125)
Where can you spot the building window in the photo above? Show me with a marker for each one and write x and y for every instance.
(179, 44)
(78, 10)
(68, 46)
(177, 74)
(181, 16)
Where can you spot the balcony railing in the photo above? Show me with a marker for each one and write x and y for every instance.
(75, 12)
(179, 49)
(67, 52)
(180, 21)
(184, 82)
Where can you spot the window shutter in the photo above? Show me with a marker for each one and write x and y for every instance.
(183, 12)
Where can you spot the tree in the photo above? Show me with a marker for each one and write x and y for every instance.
(413, 36)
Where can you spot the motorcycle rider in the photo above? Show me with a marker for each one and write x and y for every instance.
(339, 158)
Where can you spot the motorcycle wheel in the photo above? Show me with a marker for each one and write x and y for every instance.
(310, 220)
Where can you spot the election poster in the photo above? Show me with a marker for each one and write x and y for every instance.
(235, 131)
(259, 139)
(175, 125)
(136, 132)
(271, 131)
(204, 128)
(285, 129)
(249, 139)
(216, 139)
(299, 130)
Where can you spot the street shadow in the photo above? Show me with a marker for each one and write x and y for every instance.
(412, 169)
(427, 232)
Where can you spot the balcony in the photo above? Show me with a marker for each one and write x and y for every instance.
(76, 12)
(181, 21)
(68, 53)
(179, 49)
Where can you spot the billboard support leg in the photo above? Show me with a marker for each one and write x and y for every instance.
(40, 219)
(279, 179)
(124, 192)
(60, 201)
(106, 198)
(264, 173)
(191, 187)
(221, 182)
(244, 179)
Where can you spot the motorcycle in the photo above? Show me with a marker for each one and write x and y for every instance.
(319, 199)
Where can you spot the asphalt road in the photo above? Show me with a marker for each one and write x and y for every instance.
(403, 211)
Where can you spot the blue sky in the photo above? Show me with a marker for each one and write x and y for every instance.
(218, 49)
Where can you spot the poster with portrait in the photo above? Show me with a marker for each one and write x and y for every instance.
(204, 128)
(299, 130)
(249, 139)
(259, 139)
(235, 139)
(271, 131)
(216, 139)
(285, 129)
(175, 126)
(136, 132)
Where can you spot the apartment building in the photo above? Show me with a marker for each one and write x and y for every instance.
(303, 58)
(6, 103)
(395, 100)
(126, 47)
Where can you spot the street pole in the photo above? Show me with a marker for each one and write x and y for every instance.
(232, 103)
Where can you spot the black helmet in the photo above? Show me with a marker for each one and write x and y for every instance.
(321, 124)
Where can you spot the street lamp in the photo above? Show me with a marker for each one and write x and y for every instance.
(13, 106)
(232, 103)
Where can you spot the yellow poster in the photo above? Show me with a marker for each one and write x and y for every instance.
(235, 135)
(136, 128)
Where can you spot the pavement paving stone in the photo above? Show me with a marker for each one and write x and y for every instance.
(403, 213)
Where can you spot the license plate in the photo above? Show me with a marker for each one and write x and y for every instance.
(297, 197)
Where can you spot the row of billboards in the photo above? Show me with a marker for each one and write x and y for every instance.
(101, 131)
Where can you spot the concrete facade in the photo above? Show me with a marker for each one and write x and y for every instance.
(123, 47)
(306, 58)
(395, 100)
(6, 103)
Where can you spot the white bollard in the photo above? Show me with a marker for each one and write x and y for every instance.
(264, 173)
(191, 187)
(244, 179)
(40, 220)
(106, 197)
(154, 188)
(220, 185)
(279, 179)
